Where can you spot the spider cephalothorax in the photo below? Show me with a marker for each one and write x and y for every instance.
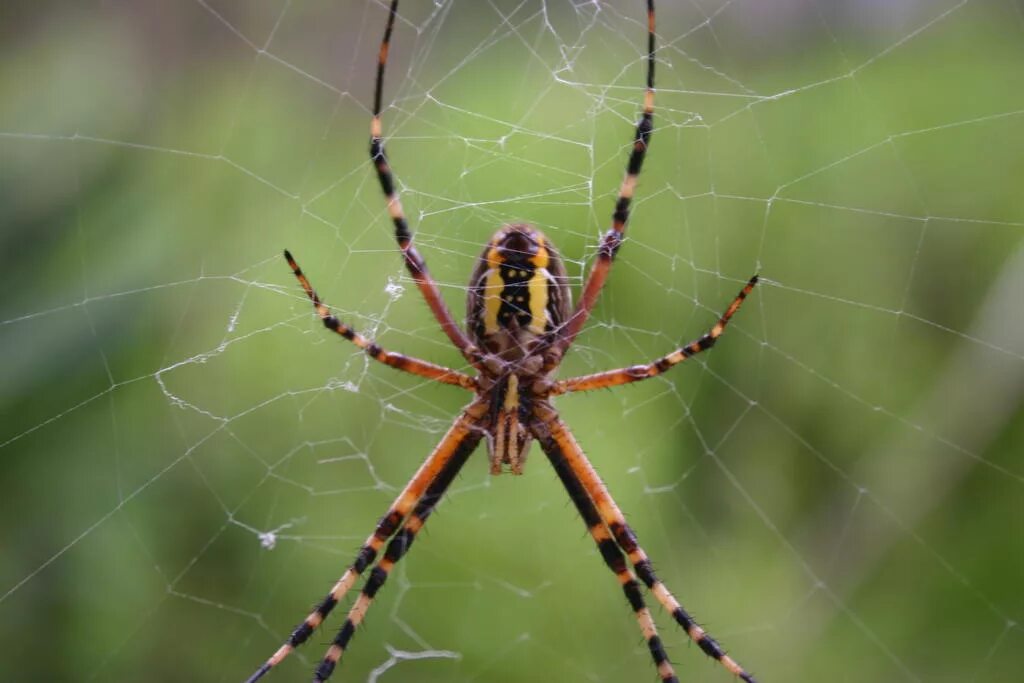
(519, 323)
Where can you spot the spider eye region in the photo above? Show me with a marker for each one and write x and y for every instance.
(508, 440)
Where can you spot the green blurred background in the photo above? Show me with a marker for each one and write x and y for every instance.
(188, 460)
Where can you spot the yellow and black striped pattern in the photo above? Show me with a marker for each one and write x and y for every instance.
(519, 325)
(610, 552)
(462, 445)
(398, 361)
(414, 262)
(635, 373)
(561, 447)
(517, 291)
(461, 439)
(612, 239)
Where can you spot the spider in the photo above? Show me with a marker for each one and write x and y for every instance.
(520, 322)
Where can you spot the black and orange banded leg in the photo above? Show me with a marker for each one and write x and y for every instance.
(635, 373)
(413, 261)
(612, 239)
(612, 516)
(611, 553)
(398, 361)
(396, 549)
(462, 431)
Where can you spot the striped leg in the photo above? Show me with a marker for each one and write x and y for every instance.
(613, 238)
(462, 433)
(612, 378)
(397, 547)
(413, 261)
(398, 361)
(611, 553)
(625, 538)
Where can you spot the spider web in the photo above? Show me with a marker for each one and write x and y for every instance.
(189, 460)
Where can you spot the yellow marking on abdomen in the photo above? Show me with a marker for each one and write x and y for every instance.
(493, 286)
(538, 290)
(542, 257)
(538, 287)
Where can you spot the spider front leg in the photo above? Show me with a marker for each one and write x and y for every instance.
(397, 548)
(635, 373)
(456, 445)
(414, 366)
(560, 444)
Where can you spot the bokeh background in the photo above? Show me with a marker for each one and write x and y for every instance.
(188, 460)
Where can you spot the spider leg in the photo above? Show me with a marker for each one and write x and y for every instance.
(397, 547)
(612, 239)
(413, 261)
(612, 378)
(457, 443)
(398, 361)
(561, 440)
(611, 553)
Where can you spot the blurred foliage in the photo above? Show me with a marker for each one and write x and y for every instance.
(836, 490)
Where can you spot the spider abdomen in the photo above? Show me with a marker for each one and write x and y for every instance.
(518, 295)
